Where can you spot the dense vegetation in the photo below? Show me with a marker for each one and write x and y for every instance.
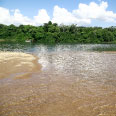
(52, 33)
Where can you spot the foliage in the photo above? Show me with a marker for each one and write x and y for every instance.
(51, 33)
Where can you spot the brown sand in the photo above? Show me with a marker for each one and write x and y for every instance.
(110, 52)
(19, 64)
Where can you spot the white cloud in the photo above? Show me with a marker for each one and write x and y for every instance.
(17, 18)
(4, 16)
(62, 16)
(95, 11)
(81, 16)
(42, 17)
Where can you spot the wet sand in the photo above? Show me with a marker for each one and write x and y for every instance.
(46, 94)
(17, 64)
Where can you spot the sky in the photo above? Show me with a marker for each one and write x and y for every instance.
(37, 12)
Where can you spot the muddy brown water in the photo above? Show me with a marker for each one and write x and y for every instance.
(67, 84)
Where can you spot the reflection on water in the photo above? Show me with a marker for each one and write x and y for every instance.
(75, 81)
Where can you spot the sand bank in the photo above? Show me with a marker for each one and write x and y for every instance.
(110, 52)
(17, 64)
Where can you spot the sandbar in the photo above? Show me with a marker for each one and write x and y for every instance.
(18, 64)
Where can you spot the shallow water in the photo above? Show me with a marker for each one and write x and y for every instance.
(74, 81)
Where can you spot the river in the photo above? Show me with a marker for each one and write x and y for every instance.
(74, 80)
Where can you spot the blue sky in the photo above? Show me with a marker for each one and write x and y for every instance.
(30, 8)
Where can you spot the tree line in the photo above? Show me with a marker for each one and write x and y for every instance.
(51, 33)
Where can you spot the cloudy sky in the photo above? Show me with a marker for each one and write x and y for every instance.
(37, 12)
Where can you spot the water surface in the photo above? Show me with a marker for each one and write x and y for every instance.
(75, 80)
